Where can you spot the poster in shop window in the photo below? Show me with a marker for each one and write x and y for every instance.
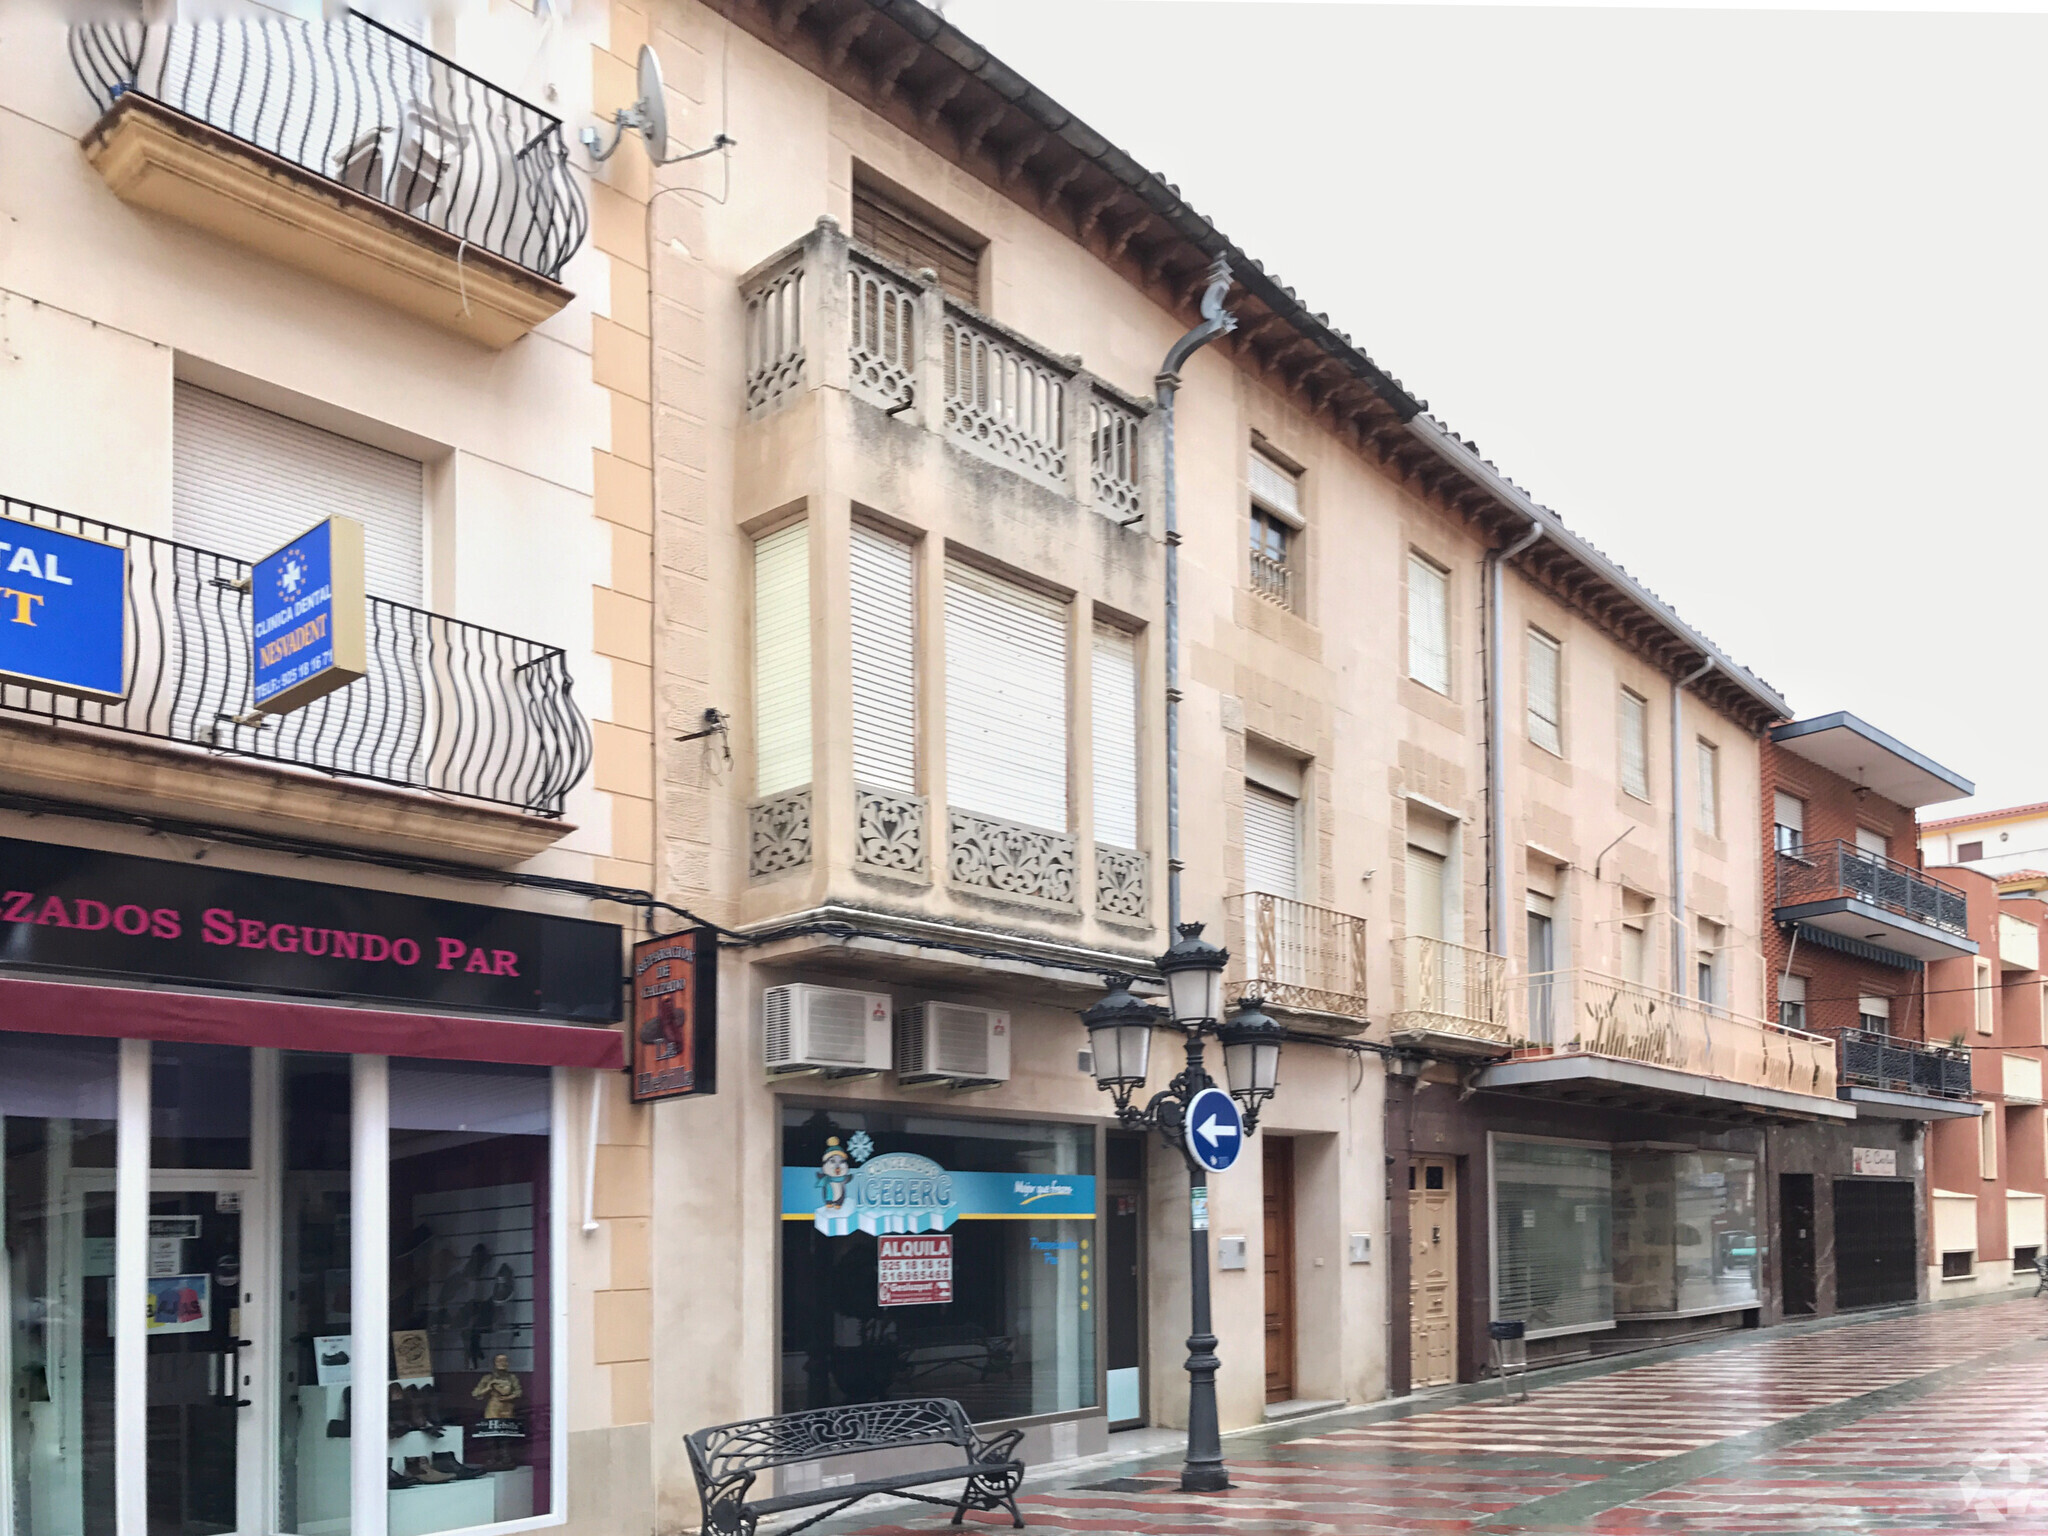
(675, 1016)
(914, 1269)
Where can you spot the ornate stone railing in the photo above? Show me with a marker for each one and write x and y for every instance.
(890, 834)
(1121, 884)
(1272, 579)
(992, 855)
(779, 833)
(775, 334)
(1005, 397)
(882, 336)
(1300, 956)
(1113, 440)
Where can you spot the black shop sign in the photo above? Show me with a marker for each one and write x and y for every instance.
(110, 914)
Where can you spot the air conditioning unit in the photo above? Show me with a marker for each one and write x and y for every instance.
(948, 1043)
(824, 1029)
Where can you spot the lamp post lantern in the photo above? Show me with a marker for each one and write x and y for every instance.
(1120, 1039)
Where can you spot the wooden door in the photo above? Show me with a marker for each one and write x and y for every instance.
(1432, 1272)
(1279, 1161)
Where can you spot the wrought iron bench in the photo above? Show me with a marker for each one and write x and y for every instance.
(728, 1457)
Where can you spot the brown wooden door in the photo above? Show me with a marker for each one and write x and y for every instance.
(1279, 1161)
(1432, 1272)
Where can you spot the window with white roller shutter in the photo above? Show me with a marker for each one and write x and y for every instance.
(245, 482)
(1272, 842)
(883, 588)
(1006, 699)
(1115, 688)
(1429, 623)
(782, 660)
(1545, 710)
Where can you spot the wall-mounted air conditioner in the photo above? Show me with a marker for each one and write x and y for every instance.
(949, 1043)
(829, 1029)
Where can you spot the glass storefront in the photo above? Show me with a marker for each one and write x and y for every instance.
(316, 1403)
(1685, 1235)
(1552, 1259)
(926, 1256)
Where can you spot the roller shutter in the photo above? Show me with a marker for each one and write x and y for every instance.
(1116, 736)
(1006, 699)
(1272, 842)
(884, 666)
(782, 660)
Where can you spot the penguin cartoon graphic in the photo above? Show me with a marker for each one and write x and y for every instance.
(835, 1172)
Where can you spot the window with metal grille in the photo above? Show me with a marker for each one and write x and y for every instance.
(1114, 676)
(1429, 623)
(884, 661)
(1709, 788)
(905, 238)
(1552, 1251)
(1634, 719)
(782, 660)
(1545, 711)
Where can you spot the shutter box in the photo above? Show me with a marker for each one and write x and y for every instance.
(951, 1044)
(833, 1030)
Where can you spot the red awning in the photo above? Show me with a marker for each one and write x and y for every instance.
(130, 1013)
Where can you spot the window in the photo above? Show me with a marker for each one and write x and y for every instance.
(1541, 917)
(1428, 871)
(1429, 623)
(1982, 996)
(1969, 853)
(1116, 706)
(1545, 712)
(1552, 1251)
(1788, 829)
(1685, 1232)
(782, 660)
(1275, 520)
(1636, 911)
(1710, 788)
(1792, 1002)
(1987, 1142)
(1876, 844)
(2024, 1259)
(1272, 842)
(904, 237)
(884, 662)
(1006, 699)
(1874, 1014)
(1712, 938)
(1958, 1264)
(1635, 745)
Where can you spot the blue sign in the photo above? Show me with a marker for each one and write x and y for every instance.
(1215, 1129)
(905, 1192)
(306, 617)
(63, 611)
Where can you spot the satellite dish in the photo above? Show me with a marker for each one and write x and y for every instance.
(647, 117)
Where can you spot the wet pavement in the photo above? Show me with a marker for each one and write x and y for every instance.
(1920, 1420)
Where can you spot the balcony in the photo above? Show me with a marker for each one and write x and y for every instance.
(1303, 959)
(346, 150)
(1867, 898)
(1581, 1035)
(1888, 1078)
(2019, 944)
(826, 314)
(1452, 999)
(459, 738)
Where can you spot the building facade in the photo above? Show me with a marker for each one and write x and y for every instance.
(324, 1206)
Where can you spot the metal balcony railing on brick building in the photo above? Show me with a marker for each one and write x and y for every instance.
(1297, 956)
(1815, 876)
(445, 705)
(1885, 1062)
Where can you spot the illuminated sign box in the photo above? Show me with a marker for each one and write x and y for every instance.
(63, 612)
(307, 615)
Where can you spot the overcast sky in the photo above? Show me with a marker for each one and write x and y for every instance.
(1753, 300)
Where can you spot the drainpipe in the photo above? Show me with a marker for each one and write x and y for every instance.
(1498, 917)
(1678, 687)
(1216, 321)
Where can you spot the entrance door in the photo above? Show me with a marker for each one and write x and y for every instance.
(1432, 1272)
(1796, 1243)
(1123, 1289)
(1877, 1255)
(1279, 1161)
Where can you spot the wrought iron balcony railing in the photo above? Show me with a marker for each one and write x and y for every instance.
(1887, 1063)
(1298, 956)
(1826, 870)
(366, 107)
(1565, 1013)
(445, 705)
(1449, 989)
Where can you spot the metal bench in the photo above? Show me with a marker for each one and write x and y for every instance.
(728, 1457)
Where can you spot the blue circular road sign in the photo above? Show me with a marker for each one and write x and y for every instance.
(1215, 1129)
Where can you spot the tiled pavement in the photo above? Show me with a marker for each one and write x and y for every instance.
(1931, 1420)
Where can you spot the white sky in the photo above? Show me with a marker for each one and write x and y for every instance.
(1754, 300)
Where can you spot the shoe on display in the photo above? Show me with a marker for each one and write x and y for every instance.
(444, 1461)
(338, 1429)
(421, 1470)
(400, 1415)
(335, 1357)
(397, 1479)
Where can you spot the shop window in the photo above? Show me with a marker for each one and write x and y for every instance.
(470, 1409)
(316, 1403)
(1685, 1233)
(1958, 1264)
(198, 1106)
(57, 1098)
(891, 1286)
(1553, 1261)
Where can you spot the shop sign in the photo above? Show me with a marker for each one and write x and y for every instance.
(914, 1271)
(111, 914)
(853, 1191)
(675, 1016)
(63, 611)
(308, 617)
(1880, 1161)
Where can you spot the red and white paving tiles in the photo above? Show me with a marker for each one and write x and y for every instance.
(1934, 1422)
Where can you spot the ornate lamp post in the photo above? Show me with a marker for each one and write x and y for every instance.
(1120, 1041)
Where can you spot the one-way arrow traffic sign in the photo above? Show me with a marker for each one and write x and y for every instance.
(1215, 1129)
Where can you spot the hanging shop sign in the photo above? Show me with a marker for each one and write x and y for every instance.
(675, 1016)
(914, 1270)
(853, 1191)
(63, 611)
(110, 914)
(308, 617)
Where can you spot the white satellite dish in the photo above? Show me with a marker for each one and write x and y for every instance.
(647, 117)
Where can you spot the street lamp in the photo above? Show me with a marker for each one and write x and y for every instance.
(1120, 1041)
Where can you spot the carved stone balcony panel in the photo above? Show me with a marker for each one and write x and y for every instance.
(891, 833)
(1001, 856)
(883, 338)
(1121, 886)
(775, 335)
(779, 833)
